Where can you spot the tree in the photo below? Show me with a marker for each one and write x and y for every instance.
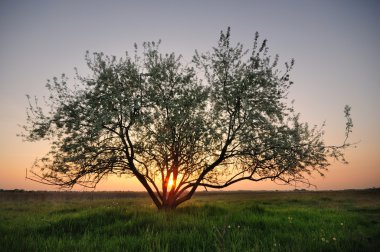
(222, 119)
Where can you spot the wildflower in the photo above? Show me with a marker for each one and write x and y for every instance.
(341, 224)
(334, 239)
(229, 226)
(238, 226)
(275, 244)
(323, 239)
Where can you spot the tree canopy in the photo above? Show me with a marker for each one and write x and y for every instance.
(220, 119)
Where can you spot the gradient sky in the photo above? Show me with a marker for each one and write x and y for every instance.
(335, 45)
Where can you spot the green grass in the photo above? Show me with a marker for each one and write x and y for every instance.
(245, 221)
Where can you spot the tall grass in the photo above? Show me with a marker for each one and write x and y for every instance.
(330, 221)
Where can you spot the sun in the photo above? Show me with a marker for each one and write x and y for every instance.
(171, 182)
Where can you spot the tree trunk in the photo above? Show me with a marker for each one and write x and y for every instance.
(170, 202)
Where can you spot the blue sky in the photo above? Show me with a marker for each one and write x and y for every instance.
(335, 45)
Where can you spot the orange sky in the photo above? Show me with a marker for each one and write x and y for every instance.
(334, 43)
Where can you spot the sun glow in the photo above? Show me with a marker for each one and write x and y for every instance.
(170, 182)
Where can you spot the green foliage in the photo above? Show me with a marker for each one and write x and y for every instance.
(283, 221)
(219, 120)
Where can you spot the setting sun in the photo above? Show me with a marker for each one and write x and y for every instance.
(171, 182)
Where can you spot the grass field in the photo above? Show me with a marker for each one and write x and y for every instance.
(234, 221)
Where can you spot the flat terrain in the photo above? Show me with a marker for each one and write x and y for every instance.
(232, 221)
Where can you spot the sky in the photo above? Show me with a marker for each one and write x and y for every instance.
(335, 45)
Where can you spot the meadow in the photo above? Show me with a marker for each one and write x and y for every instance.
(213, 221)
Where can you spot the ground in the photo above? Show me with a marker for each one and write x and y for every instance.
(214, 221)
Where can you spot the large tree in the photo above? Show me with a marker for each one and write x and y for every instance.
(221, 119)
